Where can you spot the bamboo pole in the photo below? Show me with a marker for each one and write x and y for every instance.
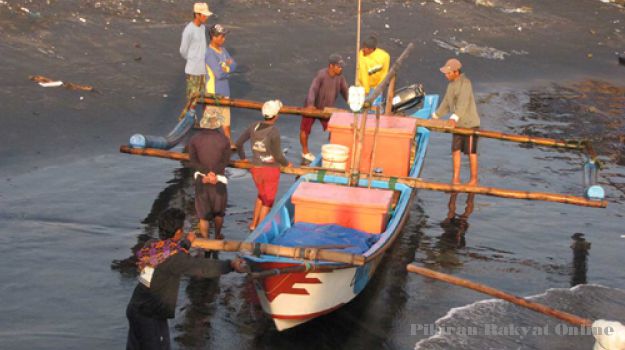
(412, 182)
(302, 253)
(540, 308)
(375, 143)
(355, 169)
(390, 93)
(352, 150)
(358, 41)
(248, 104)
(434, 125)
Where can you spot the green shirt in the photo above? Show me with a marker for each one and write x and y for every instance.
(459, 100)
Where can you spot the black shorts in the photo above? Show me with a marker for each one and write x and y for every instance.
(145, 332)
(210, 200)
(465, 143)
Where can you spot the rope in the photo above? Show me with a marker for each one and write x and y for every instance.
(321, 175)
(392, 182)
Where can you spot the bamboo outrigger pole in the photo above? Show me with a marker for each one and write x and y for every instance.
(543, 309)
(303, 253)
(358, 41)
(435, 125)
(412, 182)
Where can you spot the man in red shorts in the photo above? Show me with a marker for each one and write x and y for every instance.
(324, 90)
(267, 157)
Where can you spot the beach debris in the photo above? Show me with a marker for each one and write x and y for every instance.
(461, 46)
(523, 9)
(47, 82)
(51, 83)
(485, 3)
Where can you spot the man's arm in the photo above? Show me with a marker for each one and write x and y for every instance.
(185, 264)
(344, 89)
(312, 92)
(212, 61)
(241, 141)
(184, 43)
(275, 148)
(443, 108)
(463, 103)
(233, 64)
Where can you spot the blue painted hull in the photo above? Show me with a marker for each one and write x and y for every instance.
(294, 298)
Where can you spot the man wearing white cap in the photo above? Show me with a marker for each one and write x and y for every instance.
(193, 49)
(267, 157)
(460, 103)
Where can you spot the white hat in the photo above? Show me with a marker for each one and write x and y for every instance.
(271, 108)
(201, 7)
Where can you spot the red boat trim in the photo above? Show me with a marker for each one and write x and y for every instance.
(313, 315)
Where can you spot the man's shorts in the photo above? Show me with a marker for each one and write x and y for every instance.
(267, 180)
(223, 111)
(465, 143)
(307, 123)
(195, 84)
(210, 200)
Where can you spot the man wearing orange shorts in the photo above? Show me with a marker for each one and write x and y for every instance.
(267, 157)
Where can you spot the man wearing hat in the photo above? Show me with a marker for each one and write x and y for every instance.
(209, 154)
(323, 91)
(193, 48)
(219, 66)
(373, 65)
(460, 104)
(267, 157)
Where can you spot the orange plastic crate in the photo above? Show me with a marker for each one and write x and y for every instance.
(395, 140)
(354, 207)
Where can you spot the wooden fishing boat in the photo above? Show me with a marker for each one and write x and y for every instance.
(293, 298)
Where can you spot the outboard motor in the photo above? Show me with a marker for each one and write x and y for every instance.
(407, 97)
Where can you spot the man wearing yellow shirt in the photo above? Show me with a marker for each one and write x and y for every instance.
(373, 65)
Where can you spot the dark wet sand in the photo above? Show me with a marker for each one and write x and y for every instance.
(70, 204)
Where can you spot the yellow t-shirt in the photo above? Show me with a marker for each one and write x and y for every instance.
(372, 69)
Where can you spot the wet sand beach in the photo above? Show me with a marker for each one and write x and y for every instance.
(71, 205)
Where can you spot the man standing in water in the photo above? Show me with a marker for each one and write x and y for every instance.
(193, 49)
(161, 264)
(373, 66)
(209, 154)
(460, 103)
(267, 157)
(323, 91)
(219, 66)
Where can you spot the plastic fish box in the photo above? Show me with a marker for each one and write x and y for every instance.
(359, 208)
(395, 140)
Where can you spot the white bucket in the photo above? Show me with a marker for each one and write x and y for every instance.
(334, 156)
